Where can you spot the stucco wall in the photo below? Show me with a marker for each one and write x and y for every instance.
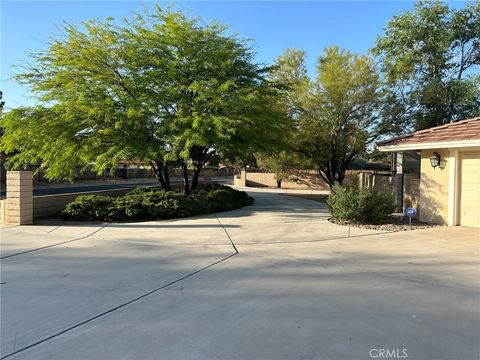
(433, 204)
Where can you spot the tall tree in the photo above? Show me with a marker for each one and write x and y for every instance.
(337, 114)
(430, 58)
(162, 87)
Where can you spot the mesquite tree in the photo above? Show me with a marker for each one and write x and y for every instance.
(160, 87)
(336, 114)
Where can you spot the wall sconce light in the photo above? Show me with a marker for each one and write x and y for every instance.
(435, 160)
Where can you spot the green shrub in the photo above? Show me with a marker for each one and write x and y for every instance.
(221, 199)
(155, 204)
(89, 207)
(360, 205)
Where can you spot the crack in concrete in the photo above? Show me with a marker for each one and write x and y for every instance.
(55, 228)
(228, 235)
(53, 245)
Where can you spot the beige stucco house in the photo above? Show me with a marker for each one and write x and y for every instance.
(449, 171)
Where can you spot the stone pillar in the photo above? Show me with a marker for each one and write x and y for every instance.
(243, 178)
(19, 202)
(240, 180)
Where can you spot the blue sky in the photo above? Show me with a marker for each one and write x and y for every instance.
(272, 25)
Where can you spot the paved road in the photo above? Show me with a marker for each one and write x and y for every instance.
(271, 281)
(108, 186)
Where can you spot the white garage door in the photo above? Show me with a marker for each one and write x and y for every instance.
(470, 189)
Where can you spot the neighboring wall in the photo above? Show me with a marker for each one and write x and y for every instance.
(311, 180)
(433, 204)
(300, 179)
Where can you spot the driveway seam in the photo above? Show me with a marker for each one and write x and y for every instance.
(118, 307)
(55, 228)
(53, 245)
(228, 235)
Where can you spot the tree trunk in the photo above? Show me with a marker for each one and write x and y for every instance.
(340, 177)
(279, 184)
(161, 173)
(186, 186)
(196, 175)
(164, 170)
(158, 173)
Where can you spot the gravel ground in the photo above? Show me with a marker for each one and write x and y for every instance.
(395, 224)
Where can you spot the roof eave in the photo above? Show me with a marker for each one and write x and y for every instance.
(431, 145)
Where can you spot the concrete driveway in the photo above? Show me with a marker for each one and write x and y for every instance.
(272, 281)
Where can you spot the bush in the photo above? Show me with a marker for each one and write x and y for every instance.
(89, 207)
(155, 204)
(364, 205)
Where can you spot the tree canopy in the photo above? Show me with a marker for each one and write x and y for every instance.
(336, 114)
(430, 56)
(173, 91)
(161, 87)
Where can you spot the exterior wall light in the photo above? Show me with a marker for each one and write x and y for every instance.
(435, 160)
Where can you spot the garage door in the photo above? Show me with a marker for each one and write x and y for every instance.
(470, 189)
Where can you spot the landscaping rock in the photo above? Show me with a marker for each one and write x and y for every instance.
(396, 223)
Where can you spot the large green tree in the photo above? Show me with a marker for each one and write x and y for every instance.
(431, 57)
(160, 87)
(337, 114)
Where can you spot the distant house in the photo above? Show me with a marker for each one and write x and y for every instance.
(449, 171)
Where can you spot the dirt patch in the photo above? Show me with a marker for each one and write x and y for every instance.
(315, 197)
(396, 223)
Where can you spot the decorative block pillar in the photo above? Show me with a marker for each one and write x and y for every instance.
(19, 202)
(243, 178)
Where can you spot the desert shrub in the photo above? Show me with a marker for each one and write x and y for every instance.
(221, 199)
(360, 205)
(89, 207)
(155, 204)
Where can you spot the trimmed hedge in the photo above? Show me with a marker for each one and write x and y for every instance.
(360, 205)
(155, 204)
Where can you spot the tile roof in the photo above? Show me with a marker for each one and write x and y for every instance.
(463, 130)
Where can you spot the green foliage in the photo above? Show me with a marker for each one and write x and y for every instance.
(430, 58)
(336, 114)
(90, 207)
(360, 205)
(155, 204)
(162, 88)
